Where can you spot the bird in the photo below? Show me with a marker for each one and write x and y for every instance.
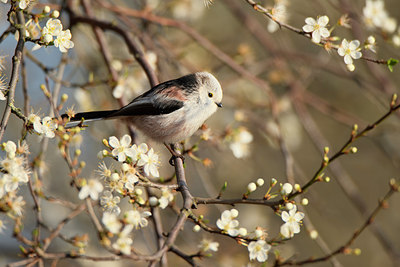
(169, 112)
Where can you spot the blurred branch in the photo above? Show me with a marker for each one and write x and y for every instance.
(345, 148)
(133, 47)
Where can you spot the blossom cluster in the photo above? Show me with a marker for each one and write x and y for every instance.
(52, 33)
(132, 219)
(375, 16)
(121, 181)
(259, 248)
(45, 126)
(229, 224)
(141, 155)
(62, 40)
(14, 172)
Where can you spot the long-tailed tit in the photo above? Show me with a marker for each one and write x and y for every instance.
(168, 112)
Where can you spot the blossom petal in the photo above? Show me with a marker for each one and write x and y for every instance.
(324, 32)
(113, 142)
(308, 28)
(341, 51)
(316, 37)
(126, 140)
(323, 21)
(354, 44)
(356, 54)
(348, 59)
(310, 21)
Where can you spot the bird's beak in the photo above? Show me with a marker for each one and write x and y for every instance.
(219, 104)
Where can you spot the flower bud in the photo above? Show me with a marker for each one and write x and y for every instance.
(297, 187)
(114, 177)
(251, 187)
(64, 97)
(46, 9)
(196, 228)
(125, 167)
(286, 189)
(289, 206)
(313, 234)
(138, 191)
(260, 182)
(153, 201)
(242, 231)
(55, 14)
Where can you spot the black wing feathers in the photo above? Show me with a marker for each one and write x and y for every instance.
(161, 99)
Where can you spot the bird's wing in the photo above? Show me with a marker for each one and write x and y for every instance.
(162, 99)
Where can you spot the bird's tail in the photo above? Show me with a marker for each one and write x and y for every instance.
(87, 116)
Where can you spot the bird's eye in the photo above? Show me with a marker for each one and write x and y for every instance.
(210, 95)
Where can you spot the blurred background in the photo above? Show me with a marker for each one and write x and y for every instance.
(261, 68)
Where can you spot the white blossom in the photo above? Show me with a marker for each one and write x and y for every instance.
(350, 51)
(48, 127)
(150, 163)
(16, 171)
(279, 13)
(207, 244)
(53, 28)
(10, 147)
(376, 16)
(137, 218)
(259, 250)
(166, 197)
(63, 41)
(317, 28)
(92, 188)
(111, 222)
(292, 221)
(17, 205)
(240, 144)
(32, 29)
(227, 222)
(109, 202)
(123, 244)
(122, 148)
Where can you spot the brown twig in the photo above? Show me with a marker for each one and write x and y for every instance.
(16, 64)
(345, 148)
(346, 247)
